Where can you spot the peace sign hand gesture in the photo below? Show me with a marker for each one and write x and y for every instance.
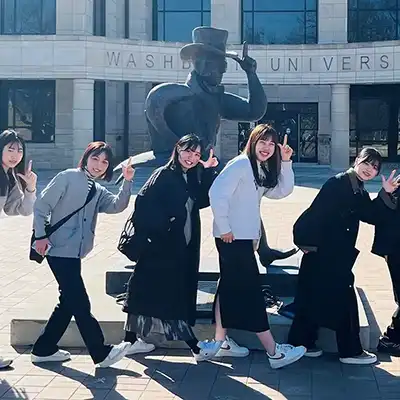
(391, 184)
(212, 161)
(29, 177)
(128, 171)
(286, 150)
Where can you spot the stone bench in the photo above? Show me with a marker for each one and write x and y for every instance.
(24, 331)
(282, 275)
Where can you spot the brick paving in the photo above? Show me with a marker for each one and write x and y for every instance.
(173, 374)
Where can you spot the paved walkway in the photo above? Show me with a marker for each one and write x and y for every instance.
(173, 374)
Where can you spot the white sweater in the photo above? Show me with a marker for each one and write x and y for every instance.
(235, 201)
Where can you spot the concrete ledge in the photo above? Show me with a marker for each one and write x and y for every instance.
(24, 331)
(281, 275)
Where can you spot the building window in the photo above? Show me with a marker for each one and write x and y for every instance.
(300, 122)
(29, 108)
(279, 21)
(99, 17)
(127, 14)
(381, 128)
(28, 17)
(373, 20)
(99, 114)
(174, 20)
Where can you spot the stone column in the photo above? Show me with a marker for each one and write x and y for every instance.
(139, 139)
(82, 116)
(74, 17)
(115, 18)
(115, 102)
(332, 21)
(141, 19)
(228, 141)
(226, 14)
(340, 112)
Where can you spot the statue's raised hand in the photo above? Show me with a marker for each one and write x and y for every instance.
(247, 63)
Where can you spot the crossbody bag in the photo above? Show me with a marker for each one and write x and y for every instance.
(33, 254)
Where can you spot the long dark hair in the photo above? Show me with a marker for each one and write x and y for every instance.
(7, 180)
(187, 142)
(369, 155)
(95, 149)
(272, 167)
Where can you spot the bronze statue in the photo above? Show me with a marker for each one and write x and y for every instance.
(172, 109)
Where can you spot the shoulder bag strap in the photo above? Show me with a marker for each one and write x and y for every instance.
(60, 223)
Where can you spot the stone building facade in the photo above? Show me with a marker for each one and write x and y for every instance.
(73, 71)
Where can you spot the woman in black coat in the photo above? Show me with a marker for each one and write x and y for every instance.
(386, 244)
(327, 232)
(162, 291)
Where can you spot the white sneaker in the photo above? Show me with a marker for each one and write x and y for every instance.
(5, 362)
(363, 359)
(58, 356)
(208, 350)
(285, 354)
(230, 348)
(139, 346)
(116, 354)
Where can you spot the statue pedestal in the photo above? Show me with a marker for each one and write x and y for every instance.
(25, 330)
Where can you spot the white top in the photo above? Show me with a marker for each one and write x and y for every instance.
(235, 198)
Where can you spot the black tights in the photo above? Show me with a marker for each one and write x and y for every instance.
(132, 337)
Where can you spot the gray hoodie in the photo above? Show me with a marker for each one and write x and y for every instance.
(66, 192)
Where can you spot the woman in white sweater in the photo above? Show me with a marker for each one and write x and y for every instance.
(263, 169)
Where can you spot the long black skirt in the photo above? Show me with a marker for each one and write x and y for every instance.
(239, 289)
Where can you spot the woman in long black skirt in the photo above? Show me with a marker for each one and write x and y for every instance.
(263, 169)
(327, 233)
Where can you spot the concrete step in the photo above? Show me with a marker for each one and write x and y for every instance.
(281, 275)
(24, 331)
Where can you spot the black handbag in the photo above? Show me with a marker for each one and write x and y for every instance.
(33, 254)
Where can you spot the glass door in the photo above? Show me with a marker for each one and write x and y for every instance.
(287, 124)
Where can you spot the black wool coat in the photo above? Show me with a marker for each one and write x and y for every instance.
(328, 230)
(387, 232)
(164, 282)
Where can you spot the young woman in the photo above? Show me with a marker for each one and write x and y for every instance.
(66, 247)
(386, 244)
(327, 232)
(264, 169)
(17, 184)
(162, 291)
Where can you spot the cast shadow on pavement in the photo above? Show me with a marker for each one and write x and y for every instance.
(103, 379)
(6, 389)
(249, 378)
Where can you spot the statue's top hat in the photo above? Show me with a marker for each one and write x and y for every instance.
(207, 40)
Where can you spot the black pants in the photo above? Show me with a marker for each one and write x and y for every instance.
(304, 332)
(73, 301)
(393, 330)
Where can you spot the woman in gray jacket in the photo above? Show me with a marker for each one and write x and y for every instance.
(17, 184)
(65, 248)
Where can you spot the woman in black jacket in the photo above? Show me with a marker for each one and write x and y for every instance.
(327, 232)
(162, 291)
(386, 244)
